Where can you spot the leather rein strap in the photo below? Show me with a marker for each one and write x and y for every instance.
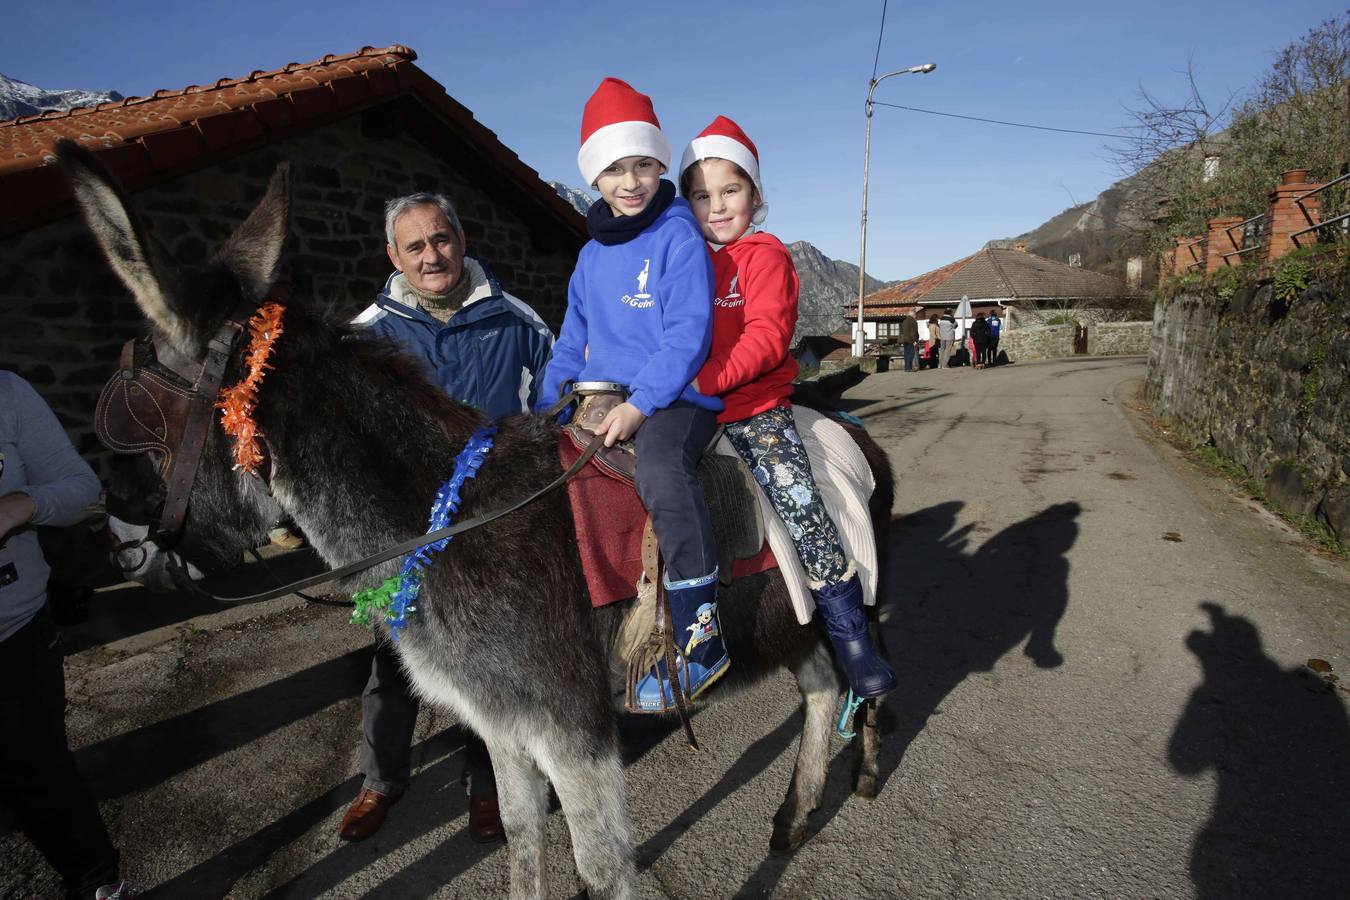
(413, 543)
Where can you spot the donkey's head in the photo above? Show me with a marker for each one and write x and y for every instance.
(186, 309)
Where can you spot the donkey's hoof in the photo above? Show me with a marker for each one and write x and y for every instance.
(786, 838)
(866, 787)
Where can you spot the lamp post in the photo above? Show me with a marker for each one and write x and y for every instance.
(867, 152)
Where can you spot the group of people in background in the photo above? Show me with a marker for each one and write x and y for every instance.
(940, 350)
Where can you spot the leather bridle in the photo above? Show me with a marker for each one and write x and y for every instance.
(164, 407)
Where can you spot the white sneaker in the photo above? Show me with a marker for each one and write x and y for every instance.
(116, 891)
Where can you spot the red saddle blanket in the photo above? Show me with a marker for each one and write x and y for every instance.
(609, 519)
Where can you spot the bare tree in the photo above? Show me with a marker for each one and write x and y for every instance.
(1297, 116)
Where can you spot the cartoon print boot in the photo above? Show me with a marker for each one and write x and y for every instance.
(841, 611)
(700, 655)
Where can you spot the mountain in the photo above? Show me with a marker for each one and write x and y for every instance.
(827, 285)
(1104, 232)
(18, 98)
(580, 200)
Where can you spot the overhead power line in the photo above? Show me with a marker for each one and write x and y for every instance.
(880, 34)
(934, 112)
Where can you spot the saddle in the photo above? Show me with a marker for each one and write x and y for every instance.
(728, 488)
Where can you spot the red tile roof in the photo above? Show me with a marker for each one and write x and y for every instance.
(144, 139)
(903, 298)
(993, 274)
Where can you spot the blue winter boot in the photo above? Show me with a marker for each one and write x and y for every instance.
(700, 655)
(841, 611)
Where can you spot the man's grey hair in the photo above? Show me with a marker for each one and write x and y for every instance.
(400, 205)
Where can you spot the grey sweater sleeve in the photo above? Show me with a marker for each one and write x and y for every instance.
(61, 483)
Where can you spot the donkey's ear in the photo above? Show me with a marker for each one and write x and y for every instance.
(122, 236)
(253, 252)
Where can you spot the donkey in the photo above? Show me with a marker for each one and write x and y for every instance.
(504, 634)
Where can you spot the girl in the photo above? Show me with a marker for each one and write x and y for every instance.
(748, 367)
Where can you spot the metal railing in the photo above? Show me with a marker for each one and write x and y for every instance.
(1197, 256)
(1343, 218)
(1252, 235)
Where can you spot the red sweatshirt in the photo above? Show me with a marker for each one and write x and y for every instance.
(754, 315)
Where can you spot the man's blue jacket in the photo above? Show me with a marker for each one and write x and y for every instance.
(488, 355)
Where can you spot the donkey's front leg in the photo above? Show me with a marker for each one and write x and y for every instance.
(522, 794)
(590, 789)
(819, 684)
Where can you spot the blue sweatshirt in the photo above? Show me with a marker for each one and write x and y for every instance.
(640, 314)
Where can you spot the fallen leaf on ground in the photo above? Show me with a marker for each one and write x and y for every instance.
(1173, 536)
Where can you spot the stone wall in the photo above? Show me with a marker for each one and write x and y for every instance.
(1266, 385)
(1051, 341)
(1037, 342)
(1120, 338)
(66, 314)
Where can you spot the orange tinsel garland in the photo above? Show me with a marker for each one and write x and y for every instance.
(237, 403)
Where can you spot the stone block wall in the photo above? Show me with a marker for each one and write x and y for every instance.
(1037, 342)
(66, 314)
(1266, 385)
(1120, 338)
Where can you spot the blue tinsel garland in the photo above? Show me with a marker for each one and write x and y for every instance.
(406, 585)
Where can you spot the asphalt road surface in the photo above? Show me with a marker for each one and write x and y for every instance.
(1103, 693)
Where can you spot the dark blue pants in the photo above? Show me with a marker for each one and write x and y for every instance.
(669, 446)
(388, 717)
(38, 777)
(909, 356)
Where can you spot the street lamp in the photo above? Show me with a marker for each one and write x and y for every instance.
(867, 152)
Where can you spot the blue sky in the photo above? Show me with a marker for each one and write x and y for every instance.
(794, 74)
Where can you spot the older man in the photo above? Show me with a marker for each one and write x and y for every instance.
(483, 347)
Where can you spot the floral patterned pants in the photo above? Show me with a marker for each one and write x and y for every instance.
(769, 444)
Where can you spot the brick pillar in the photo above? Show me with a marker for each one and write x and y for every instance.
(1285, 217)
(1167, 265)
(1220, 242)
(1184, 259)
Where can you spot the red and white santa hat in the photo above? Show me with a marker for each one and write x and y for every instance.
(618, 122)
(724, 139)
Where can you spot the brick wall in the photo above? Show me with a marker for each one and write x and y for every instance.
(66, 315)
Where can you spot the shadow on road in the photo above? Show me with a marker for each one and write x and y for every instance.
(153, 754)
(131, 610)
(953, 613)
(435, 798)
(1278, 743)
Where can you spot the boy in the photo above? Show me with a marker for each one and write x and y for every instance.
(639, 313)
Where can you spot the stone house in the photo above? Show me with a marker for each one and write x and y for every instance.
(358, 129)
(1024, 288)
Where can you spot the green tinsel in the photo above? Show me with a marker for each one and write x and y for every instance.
(375, 600)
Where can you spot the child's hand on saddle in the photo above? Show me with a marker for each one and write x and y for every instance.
(620, 424)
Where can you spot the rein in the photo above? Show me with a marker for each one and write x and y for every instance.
(415, 543)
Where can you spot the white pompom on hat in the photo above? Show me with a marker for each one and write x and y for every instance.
(618, 122)
(724, 139)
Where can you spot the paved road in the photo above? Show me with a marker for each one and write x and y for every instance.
(1103, 694)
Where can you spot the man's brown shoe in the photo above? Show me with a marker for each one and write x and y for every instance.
(485, 820)
(366, 814)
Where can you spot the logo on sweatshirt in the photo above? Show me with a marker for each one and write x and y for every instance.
(733, 297)
(642, 299)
